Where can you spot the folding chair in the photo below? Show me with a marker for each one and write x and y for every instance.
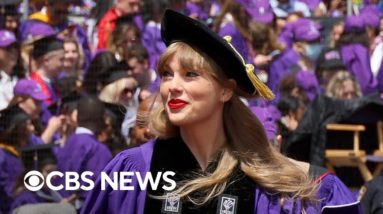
(377, 156)
(354, 157)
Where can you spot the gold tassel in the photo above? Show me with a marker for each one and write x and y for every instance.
(259, 86)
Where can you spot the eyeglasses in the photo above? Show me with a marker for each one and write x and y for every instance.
(129, 90)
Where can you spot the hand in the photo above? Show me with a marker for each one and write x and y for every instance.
(290, 122)
(69, 200)
(144, 94)
(56, 122)
(261, 60)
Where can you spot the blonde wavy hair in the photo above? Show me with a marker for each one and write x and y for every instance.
(336, 83)
(111, 92)
(247, 145)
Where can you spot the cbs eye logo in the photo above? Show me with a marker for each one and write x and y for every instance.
(34, 181)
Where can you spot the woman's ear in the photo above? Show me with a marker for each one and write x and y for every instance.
(228, 91)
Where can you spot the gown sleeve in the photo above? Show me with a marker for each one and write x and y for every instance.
(120, 201)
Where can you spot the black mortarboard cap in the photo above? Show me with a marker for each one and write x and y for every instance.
(114, 73)
(11, 116)
(35, 157)
(177, 27)
(66, 104)
(116, 112)
(9, 2)
(45, 45)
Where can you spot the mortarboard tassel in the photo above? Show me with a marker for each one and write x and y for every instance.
(260, 87)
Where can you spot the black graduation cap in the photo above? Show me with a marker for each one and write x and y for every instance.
(45, 45)
(9, 2)
(35, 157)
(11, 116)
(116, 112)
(66, 104)
(114, 73)
(128, 19)
(9, 7)
(177, 27)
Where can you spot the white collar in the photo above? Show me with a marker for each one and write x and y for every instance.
(83, 130)
(4, 76)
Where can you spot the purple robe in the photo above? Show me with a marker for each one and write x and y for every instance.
(332, 190)
(28, 197)
(357, 61)
(83, 152)
(280, 67)
(10, 168)
(152, 41)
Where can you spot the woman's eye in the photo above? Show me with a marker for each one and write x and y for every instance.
(192, 74)
(166, 74)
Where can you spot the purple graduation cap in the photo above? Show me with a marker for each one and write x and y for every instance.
(354, 23)
(307, 81)
(259, 10)
(32, 29)
(305, 30)
(312, 4)
(371, 16)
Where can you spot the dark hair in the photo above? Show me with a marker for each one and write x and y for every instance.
(263, 38)
(289, 104)
(241, 17)
(154, 9)
(91, 114)
(15, 135)
(136, 51)
(354, 36)
(100, 63)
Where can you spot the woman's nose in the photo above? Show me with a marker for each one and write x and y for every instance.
(175, 85)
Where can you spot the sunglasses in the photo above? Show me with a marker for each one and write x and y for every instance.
(129, 90)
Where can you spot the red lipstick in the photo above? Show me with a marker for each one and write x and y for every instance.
(176, 104)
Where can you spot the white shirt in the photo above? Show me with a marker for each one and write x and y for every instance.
(7, 83)
(376, 59)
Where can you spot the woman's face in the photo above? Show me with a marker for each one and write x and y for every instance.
(128, 91)
(32, 107)
(9, 57)
(71, 55)
(189, 96)
(348, 90)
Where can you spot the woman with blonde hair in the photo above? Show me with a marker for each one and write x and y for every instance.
(122, 89)
(217, 150)
(343, 85)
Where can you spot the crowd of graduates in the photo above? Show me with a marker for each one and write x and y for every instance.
(78, 79)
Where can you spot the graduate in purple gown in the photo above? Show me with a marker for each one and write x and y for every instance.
(15, 130)
(233, 21)
(82, 151)
(355, 53)
(220, 154)
(42, 159)
(151, 35)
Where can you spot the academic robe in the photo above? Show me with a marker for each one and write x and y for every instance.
(82, 152)
(152, 41)
(10, 168)
(47, 88)
(174, 154)
(372, 196)
(28, 197)
(357, 60)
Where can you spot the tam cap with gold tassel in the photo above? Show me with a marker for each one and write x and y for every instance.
(176, 27)
(262, 89)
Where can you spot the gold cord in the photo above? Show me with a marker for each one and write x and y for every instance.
(259, 86)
